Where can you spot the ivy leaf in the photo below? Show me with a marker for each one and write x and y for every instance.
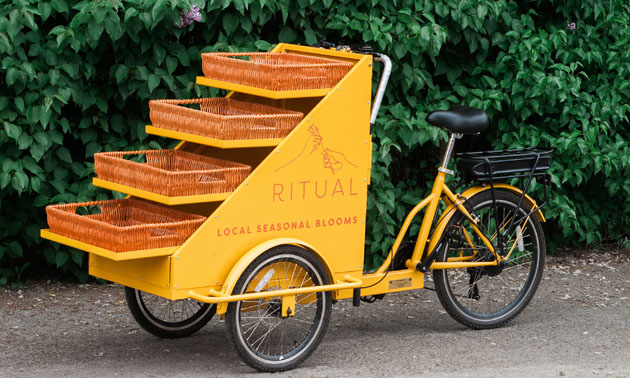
(37, 151)
(77, 257)
(61, 258)
(64, 155)
(310, 37)
(5, 179)
(230, 23)
(12, 75)
(14, 250)
(31, 165)
(13, 131)
(60, 6)
(121, 73)
(287, 35)
(153, 82)
(171, 64)
(159, 53)
(24, 141)
(19, 181)
(262, 45)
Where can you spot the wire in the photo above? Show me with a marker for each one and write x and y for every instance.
(391, 237)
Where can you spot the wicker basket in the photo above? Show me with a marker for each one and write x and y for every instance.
(275, 71)
(123, 225)
(223, 118)
(170, 172)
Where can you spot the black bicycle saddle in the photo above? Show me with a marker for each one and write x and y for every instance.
(460, 119)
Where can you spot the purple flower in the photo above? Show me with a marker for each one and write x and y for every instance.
(189, 16)
(571, 26)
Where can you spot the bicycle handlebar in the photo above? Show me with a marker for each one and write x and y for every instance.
(380, 91)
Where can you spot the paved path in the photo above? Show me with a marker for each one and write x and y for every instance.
(577, 326)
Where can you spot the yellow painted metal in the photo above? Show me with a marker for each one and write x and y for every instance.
(160, 198)
(111, 255)
(220, 297)
(463, 210)
(247, 258)
(401, 280)
(201, 80)
(308, 189)
(453, 202)
(312, 187)
(427, 221)
(149, 274)
(529, 200)
(403, 231)
(220, 143)
(305, 50)
(288, 306)
(461, 264)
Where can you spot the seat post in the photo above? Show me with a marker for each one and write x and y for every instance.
(449, 150)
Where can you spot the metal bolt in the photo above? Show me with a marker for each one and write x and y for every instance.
(368, 103)
(364, 179)
(363, 221)
(116, 270)
(366, 142)
(177, 257)
(308, 119)
(175, 286)
(216, 216)
(369, 64)
(217, 282)
(246, 183)
(338, 89)
(167, 285)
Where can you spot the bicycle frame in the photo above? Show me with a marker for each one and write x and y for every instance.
(455, 202)
(431, 202)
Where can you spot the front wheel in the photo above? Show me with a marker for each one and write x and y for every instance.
(165, 318)
(488, 297)
(264, 338)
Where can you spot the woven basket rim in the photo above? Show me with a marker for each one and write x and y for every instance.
(316, 60)
(114, 156)
(66, 210)
(275, 112)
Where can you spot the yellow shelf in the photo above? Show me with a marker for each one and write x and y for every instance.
(160, 198)
(268, 93)
(116, 256)
(207, 141)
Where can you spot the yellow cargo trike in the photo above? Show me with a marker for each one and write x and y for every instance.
(269, 229)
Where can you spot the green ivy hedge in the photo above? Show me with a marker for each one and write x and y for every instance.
(76, 78)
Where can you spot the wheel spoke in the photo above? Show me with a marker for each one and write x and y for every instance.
(491, 295)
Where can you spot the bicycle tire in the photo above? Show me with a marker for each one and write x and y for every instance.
(503, 299)
(165, 318)
(303, 331)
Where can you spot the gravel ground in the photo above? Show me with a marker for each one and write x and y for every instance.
(578, 325)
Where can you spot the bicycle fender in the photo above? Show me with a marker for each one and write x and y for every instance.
(252, 254)
(529, 200)
(468, 193)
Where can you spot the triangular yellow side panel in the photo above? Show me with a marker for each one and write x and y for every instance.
(312, 187)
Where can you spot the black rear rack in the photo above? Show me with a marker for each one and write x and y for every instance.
(488, 167)
(503, 164)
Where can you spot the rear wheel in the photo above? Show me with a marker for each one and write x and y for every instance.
(165, 318)
(265, 339)
(488, 297)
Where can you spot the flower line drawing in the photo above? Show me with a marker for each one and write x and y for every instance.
(331, 159)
